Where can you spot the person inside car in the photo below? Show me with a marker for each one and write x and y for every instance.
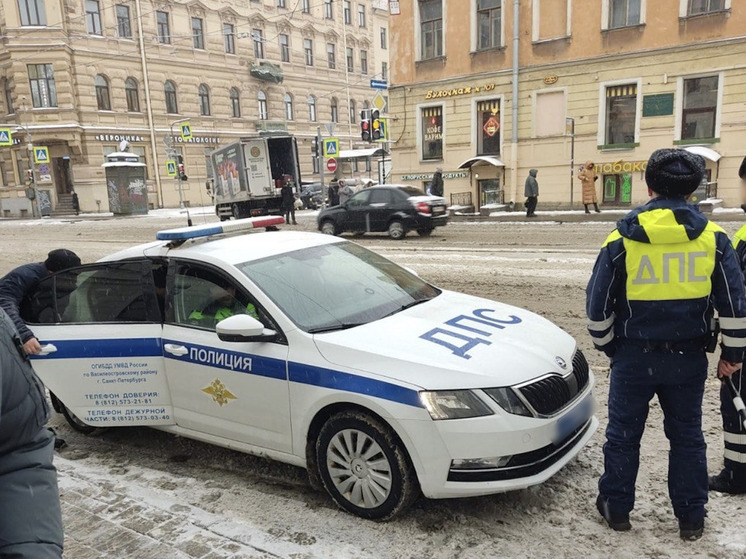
(224, 304)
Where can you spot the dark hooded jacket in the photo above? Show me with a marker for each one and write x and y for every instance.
(532, 185)
(661, 275)
(13, 289)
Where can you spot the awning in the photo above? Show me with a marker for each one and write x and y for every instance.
(707, 153)
(360, 153)
(481, 160)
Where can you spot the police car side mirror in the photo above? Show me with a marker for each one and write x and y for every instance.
(243, 328)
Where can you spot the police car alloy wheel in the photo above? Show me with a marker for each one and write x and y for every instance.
(328, 227)
(396, 230)
(364, 467)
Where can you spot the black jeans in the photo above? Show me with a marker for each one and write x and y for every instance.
(531, 205)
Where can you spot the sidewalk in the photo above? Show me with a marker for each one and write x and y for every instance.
(579, 216)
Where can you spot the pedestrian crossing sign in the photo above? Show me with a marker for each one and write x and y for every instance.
(41, 154)
(6, 137)
(171, 169)
(186, 130)
(331, 147)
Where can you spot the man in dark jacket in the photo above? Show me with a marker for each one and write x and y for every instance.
(288, 203)
(30, 517)
(20, 282)
(650, 308)
(532, 193)
(436, 185)
(732, 478)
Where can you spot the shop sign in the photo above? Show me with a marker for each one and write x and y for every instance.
(620, 167)
(491, 127)
(118, 138)
(428, 176)
(198, 140)
(457, 91)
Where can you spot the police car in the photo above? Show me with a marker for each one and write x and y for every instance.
(315, 351)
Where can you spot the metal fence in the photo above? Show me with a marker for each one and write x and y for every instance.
(461, 199)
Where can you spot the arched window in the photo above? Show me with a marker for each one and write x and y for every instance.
(235, 102)
(262, 98)
(366, 105)
(133, 95)
(353, 112)
(312, 108)
(289, 112)
(204, 100)
(169, 88)
(335, 110)
(102, 93)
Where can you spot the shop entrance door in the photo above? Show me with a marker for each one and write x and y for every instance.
(63, 178)
(489, 192)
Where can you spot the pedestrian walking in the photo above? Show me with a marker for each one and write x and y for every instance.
(288, 203)
(76, 202)
(20, 282)
(436, 185)
(345, 191)
(732, 478)
(30, 516)
(650, 308)
(334, 193)
(588, 177)
(532, 193)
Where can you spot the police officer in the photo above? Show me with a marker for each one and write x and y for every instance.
(732, 479)
(223, 305)
(650, 308)
(30, 518)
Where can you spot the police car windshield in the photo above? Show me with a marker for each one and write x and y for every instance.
(337, 286)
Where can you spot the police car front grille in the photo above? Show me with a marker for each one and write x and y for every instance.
(550, 394)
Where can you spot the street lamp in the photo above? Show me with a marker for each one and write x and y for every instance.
(570, 131)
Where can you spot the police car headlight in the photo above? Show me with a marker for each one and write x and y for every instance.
(508, 400)
(454, 404)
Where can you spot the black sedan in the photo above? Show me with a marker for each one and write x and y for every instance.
(396, 209)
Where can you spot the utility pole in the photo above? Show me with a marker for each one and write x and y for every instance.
(35, 208)
(322, 163)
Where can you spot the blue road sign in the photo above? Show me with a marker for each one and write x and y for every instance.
(379, 84)
(41, 154)
(331, 147)
(6, 137)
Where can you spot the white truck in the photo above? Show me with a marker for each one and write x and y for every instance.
(248, 175)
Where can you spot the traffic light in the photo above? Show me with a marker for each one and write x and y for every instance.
(180, 168)
(315, 146)
(375, 124)
(30, 175)
(365, 132)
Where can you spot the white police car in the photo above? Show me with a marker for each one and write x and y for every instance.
(315, 351)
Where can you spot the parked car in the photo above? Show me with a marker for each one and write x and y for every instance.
(393, 208)
(314, 351)
(312, 195)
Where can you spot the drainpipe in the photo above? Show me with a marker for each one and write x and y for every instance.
(515, 100)
(149, 108)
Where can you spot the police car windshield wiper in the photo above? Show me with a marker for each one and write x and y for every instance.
(409, 306)
(335, 327)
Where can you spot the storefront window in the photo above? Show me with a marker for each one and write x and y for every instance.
(621, 114)
(432, 133)
(488, 127)
(618, 189)
(700, 108)
(489, 192)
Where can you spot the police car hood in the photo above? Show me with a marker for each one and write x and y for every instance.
(454, 341)
(663, 221)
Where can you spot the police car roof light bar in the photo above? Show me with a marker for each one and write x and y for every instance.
(186, 233)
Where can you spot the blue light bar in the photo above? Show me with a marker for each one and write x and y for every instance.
(186, 233)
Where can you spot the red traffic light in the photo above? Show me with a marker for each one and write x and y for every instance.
(365, 130)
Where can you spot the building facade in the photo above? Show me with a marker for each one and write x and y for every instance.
(81, 76)
(487, 100)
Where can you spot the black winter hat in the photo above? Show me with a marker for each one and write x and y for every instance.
(674, 172)
(742, 170)
(61, 259)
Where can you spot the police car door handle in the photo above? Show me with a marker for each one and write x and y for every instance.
(176, 349)
(47, 349)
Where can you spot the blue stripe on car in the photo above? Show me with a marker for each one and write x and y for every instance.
(98, 349)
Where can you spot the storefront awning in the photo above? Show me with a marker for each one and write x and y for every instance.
(360, 153)
(481, 160)
(707, 153)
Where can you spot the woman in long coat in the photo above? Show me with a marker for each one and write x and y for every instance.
(588, 177)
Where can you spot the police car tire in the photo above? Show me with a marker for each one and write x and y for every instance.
(75, 422)
(404, 486)
(397, 231)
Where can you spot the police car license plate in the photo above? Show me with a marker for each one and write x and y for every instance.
(573, 419)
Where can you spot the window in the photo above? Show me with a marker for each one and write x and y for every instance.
(229, 38)
(312, 108)
(284, 47)
(169, 89)
(488, 127)
(550, 113)
(347, 12)
(281, 4)
(289, 112)
(8, 89)
(431, 28)
(32, 12)
(550, 19)
(262, 98)
(700, 107)
(132, 93)
(364, 61)
(124, 25)
(334, 109)
(331, 55)
(624, 13)
(621, 114)
(353, 112)
(315, 164)
(258, 36)
(235, 102)
(164, 29)
(43, 90)
(308, 50)
(102, 93)
(432, 132)
(384, 70)
(93, 17)
(697, 7)
(384, 38)
(198, 33)
(204, 100)
(361, 20)
(328, 9)
(617, 189)
(489, 24)
(366, 105)
(350, 59)
(306, 6)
